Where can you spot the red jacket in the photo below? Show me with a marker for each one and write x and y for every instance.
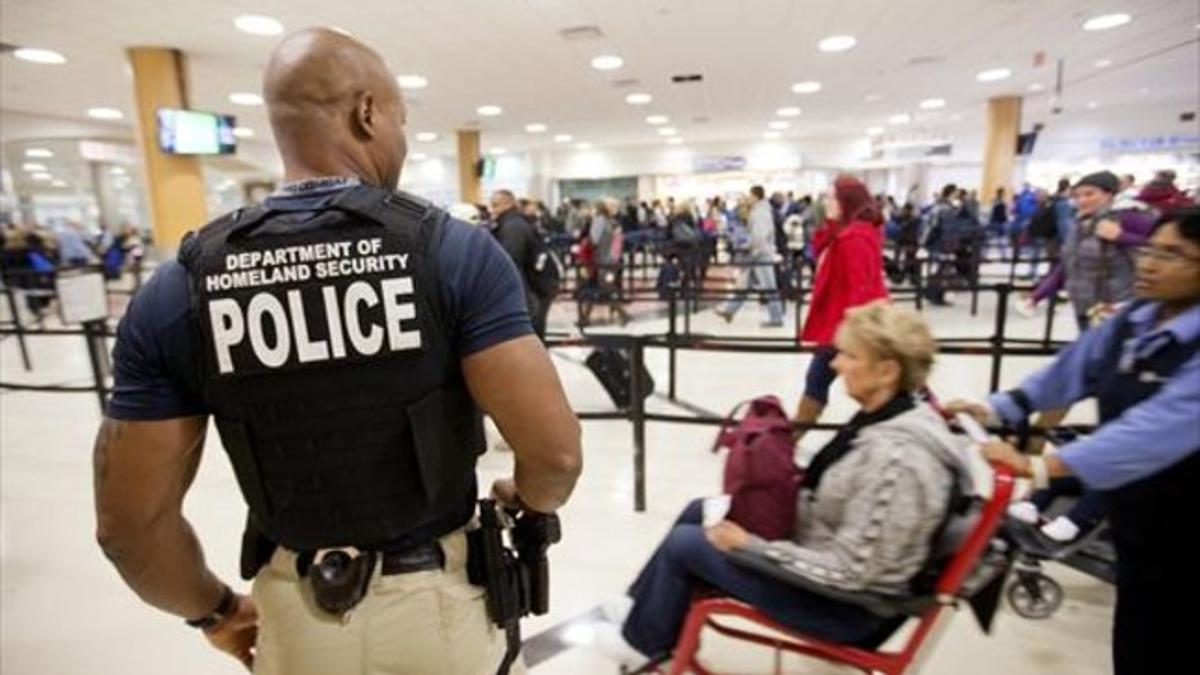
(849, 274)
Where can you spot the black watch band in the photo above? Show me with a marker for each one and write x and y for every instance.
(224, 608)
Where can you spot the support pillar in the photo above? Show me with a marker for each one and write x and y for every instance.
(469, 184)
(1000, 144)
(174, 183)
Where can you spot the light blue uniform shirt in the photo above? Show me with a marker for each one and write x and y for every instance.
(1148, 437)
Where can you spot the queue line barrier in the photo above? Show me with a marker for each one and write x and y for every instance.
(997, 346)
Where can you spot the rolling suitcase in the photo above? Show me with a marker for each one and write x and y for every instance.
(611, 366)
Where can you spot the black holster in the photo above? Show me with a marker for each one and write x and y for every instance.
(340, 580)
(517, 579)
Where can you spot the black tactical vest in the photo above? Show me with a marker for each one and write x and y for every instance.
(330, 374)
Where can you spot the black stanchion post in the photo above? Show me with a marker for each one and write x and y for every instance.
(799, 299)
(96, 346)
(18, 327)
(637, 415)
(672, 334)
(1002, 292)
(1048, 337)
(689, 294)
(922, 271)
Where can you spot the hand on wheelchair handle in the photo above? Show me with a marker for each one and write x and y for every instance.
(981, 412)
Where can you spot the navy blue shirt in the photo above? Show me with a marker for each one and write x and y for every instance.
(158, 346)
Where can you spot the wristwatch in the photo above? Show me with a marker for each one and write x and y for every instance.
(224, 608)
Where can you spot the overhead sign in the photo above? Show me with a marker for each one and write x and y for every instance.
(1150, 143)
(719, 163)
(81, 296)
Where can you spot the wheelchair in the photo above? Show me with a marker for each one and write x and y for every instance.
(969, 564)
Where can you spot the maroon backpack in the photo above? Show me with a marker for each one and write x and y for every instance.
(761, 475)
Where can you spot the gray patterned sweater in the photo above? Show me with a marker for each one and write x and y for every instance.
(869, 523)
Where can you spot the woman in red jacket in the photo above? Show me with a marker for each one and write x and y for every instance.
(849, 249)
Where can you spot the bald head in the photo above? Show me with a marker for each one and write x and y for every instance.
(335, 108)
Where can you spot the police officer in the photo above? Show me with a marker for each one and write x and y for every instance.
(1143, 367)
(343, 337)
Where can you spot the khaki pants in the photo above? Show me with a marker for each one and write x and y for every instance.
(423, 623)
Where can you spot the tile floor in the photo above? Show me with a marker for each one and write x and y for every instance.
(64, 610)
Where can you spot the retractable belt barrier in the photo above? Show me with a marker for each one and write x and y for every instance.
(996, 346)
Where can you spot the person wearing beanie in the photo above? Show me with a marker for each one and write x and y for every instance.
(1099, 272)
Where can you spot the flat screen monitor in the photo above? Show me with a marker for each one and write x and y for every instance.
(1025, 143)
(195, 132)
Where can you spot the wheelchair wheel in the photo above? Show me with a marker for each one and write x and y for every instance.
(1035, 596)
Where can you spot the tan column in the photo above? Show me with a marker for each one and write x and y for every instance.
(1000, 144)
(174, 183)
(468, 160)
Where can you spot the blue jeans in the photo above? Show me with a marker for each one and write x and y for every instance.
(762, 277)
(685, 562)
(820, 374)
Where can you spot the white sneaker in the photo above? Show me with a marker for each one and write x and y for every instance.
(1061, 529)
(1024, 511)
(608, 641)
(617, 609)
(1026, 308)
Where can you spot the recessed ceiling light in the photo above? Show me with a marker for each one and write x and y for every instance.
(873, 98)
(58, 183)
(667, 131)
(778, 125)
(489, 110)
(806, 87)
(583, 146)
(1103, 63)
(657, 119)
(40, 176)
(875, 131)
(790, 111)
(426, 136)
(638, 98)
(43, 56)
(1092, 105)
(245, 98)
(902, 118)
(256, 24)
(607, 62)
(771, 135)
(1106, 21)
(243, 132)
(117, 171)
(497, 151)
(674, 140)
(563, 138)
(933, 103)
(411, 81)
(417, 157)
(33, 166)
(993, 74)
(535, 128)
(105, 113)
(38, 153)
(1037, 86)
(837, 43)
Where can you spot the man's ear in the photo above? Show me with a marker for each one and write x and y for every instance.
(365, 114)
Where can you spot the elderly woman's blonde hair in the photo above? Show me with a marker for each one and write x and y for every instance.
(893, 333)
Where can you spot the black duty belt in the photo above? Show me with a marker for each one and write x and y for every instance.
(417, 558)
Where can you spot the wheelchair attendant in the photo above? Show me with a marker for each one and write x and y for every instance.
(1143, 367)
(868, 507)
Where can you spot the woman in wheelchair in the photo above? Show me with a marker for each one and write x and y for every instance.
(870, 503)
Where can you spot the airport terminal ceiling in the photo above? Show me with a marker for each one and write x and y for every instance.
(912, 71)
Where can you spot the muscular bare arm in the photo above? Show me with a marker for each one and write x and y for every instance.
(516, 384)
(141, 472)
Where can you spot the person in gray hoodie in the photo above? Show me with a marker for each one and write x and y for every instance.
(869, 505)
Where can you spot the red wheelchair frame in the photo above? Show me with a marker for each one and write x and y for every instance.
(704, 611)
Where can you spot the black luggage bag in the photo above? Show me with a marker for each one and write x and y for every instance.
(612, 367)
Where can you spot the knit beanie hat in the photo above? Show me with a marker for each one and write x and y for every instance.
(1103, 180)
